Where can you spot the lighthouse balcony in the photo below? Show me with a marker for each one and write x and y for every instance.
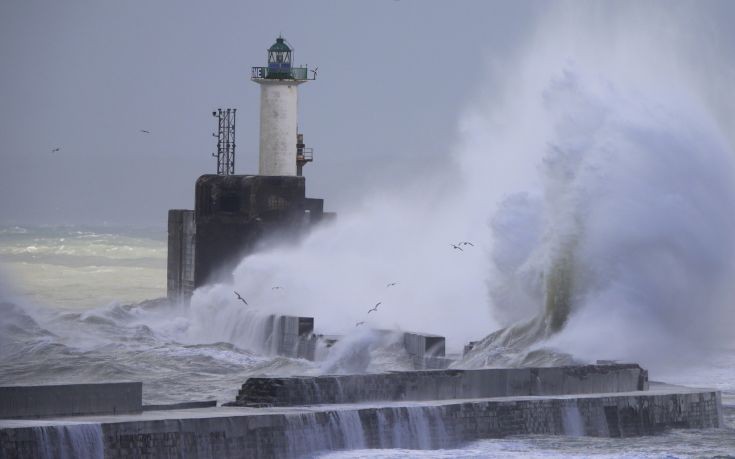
(292, 73)
(305, 154)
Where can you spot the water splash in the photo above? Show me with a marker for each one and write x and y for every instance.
(617, 242)
(70, 441)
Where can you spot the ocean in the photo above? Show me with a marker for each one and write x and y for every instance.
(84, 305)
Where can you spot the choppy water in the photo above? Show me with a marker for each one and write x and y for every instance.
(180, 353)
(83, 267)
(154, 342)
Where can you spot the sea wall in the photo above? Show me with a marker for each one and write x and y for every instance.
(294, 433)
(441, 385)
(70, 400)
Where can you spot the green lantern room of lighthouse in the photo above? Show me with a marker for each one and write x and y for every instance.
(280, 60)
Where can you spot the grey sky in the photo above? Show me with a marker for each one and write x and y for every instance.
(87, 76)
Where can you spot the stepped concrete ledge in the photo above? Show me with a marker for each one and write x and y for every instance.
(441, 385)
(233, 432)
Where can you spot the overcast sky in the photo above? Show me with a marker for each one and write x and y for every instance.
(87, 76)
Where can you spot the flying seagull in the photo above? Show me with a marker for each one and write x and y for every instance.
(360, 323)
(374, 308)
(144, 131)
(466, 243)
(392, 284)
(454, 246)
(240, 298)
(56, 149)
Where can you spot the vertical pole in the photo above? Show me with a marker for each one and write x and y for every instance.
(226, 150)
(232, 163)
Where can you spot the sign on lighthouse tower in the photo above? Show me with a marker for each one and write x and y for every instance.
(279, 109)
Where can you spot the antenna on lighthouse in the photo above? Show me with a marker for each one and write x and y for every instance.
(225, 141)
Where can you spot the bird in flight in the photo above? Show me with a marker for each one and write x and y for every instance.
(392, 284)
(56, 149)
(455, 246)
(374, 308)
(362, 322)
(277, 287)
(144, 131)
(239, 297)
(467, 243)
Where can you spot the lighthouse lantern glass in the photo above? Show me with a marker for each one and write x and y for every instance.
(279, 57)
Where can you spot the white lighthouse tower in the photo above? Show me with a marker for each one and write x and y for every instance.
(279, 110)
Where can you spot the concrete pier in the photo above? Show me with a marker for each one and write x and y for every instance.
(441, 385)
(234, 432)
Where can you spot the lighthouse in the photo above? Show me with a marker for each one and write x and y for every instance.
(279, 83)
(236, 215)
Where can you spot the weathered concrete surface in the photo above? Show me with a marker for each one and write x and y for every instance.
(180, 263)
(292, 432)
(441, 384)
(426, 350)
(181, 406)
(292, 336)
(423, 344)
(278, 126)
(233, 213)
(70, 400)
(234, 216)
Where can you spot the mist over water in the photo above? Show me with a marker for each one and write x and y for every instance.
(597, 184)
(623, 244)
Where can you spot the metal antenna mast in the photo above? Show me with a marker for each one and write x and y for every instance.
(225, 141)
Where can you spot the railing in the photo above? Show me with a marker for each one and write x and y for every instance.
(294, 73)
(305, 154)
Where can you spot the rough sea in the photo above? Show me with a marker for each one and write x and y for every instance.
(83, 305)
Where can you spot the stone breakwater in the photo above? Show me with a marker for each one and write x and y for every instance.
(292, 432)
(441, 385)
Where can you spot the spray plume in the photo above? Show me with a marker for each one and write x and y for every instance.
(599, 190)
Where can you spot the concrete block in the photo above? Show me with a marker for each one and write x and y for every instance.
(295, 336)
(70, 400)
(234, 213)
(424, 344)
(180, 263)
